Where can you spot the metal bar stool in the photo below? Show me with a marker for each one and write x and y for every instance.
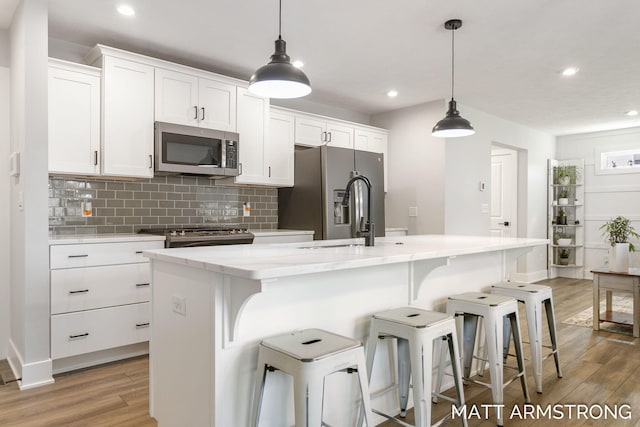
(309, 356)
(492, 309)
(415, 331)
(533, 297)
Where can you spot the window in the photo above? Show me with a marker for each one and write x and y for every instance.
(618, 161)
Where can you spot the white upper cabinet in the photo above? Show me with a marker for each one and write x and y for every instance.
(127, 118)
(375, 142)
(279, 154)
(253, 120)
(187, 99)
(313, 132)
(74, 118)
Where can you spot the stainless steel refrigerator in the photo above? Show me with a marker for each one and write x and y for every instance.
(315, 201)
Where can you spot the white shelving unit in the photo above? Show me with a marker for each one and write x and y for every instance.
(565, 218)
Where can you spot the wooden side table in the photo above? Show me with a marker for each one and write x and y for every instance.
(619, 282)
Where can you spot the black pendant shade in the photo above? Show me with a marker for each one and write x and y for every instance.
(453, 125)
(279, 78)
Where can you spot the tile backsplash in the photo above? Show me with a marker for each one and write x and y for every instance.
(161, 202)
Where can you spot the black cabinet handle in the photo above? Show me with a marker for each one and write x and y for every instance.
(142, 325)
(202, 113)
(139, 285)
(95, 158)
(195, 109)
(78, 256)
(82, 291)
(138, 252)
(86, 334)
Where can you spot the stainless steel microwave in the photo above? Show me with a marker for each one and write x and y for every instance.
(195, 151)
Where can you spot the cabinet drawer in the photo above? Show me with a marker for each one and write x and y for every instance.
(94, 254)
(620, 283)
(76, 289)
(94, 330)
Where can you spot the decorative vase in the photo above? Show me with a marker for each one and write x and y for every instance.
(563, 201)
(561, 220)
(564, 180)
(619, 258)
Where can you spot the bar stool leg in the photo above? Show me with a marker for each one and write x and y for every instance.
(363, 380)
(551, 319)
(421, 383)
(534, 325)
(517, 342)
(468, 342)
(404, 374)
(454, 354)
(261, 377)
(442, 365)
(494, 348)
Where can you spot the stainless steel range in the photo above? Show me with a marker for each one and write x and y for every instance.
(191, 237)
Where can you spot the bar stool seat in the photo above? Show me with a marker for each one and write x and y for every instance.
(415, 331)
(533, 297)
(309, 356)
(493, 309)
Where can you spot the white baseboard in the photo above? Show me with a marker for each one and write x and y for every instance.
(30, 375)
(529, 277)
(99, 357)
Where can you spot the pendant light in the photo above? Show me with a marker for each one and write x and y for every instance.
(279, 78)
(453, 125)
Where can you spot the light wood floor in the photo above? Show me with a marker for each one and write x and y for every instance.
(598, 368)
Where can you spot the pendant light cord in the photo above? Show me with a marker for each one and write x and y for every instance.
(280, 21)
(453, 54)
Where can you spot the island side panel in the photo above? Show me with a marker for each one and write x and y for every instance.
(181, 356)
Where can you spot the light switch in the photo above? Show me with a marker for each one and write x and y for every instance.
(413, 211)
(485, 208)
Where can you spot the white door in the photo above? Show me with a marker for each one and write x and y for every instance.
(176, 97)
(504, 192)
(339, 135)
(279, 155)
(217, 105)
(253, 115)
(310, 132)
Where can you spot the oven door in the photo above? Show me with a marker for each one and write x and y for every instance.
(189, 150)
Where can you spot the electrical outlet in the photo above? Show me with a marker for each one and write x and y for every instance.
(179, 305)
(413, 211)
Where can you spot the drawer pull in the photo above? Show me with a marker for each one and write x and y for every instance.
(142, 325)
(82, 291)
(138, 252)
(86, 334)
(78, 256)
(139, 285)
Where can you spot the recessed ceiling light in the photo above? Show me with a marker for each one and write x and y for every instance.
(392, 93)
(298, 64)
(631, 113)
(571, 71)
(126, 10)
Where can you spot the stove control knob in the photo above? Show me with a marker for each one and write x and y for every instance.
(182, 233)
(173, 233)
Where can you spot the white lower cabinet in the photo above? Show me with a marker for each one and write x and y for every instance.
(100, 295)
(93, 330)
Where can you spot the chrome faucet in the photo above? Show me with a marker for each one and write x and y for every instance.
(369, 230)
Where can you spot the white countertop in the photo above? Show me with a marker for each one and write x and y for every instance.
(272, 261)
(102, 238)
(279, 232)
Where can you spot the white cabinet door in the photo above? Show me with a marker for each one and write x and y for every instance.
(176, 97)
(217, 105)
(127, 125)
(375, 142)
(74, 119)
(339, 135)
(253, 119)
(279, 154)
(310, 132)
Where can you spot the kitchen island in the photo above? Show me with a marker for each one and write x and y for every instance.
(212, 305)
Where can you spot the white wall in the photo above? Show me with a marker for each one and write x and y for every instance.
(29, 293)
(606, 196)
(416, 174)
(441, 177)
(4, 212)
(4, 48)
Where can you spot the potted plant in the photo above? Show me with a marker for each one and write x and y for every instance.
(563, 239)
(561, 219)
(617, 233)
(567, 174)
(563, 256)
(563, 197)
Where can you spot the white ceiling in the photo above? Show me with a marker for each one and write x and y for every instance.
(509, 53)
